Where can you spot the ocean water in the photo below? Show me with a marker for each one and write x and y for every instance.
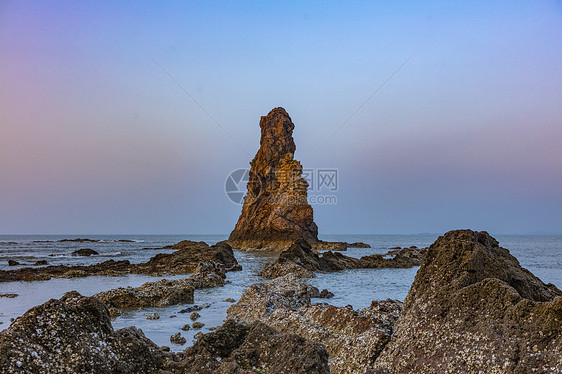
(542, 255)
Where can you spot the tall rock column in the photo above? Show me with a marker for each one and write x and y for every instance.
(275, 211)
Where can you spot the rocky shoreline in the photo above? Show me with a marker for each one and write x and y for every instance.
(472, 308)
(302, 260)
(184, 260)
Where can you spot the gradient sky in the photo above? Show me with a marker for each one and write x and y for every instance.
(96, 138)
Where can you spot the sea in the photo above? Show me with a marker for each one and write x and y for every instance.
(541, 254)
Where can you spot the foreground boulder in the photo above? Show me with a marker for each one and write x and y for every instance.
(275, 210)
(74, 335)
(353, 338)
(185, 260)
(254, 348)
(300, 259)
(473, 308)
(164, 292)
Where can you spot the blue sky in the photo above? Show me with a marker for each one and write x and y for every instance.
(97, 138)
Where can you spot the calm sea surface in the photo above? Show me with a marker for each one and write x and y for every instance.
(542, 255)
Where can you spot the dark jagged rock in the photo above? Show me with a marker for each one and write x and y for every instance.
(353, 338)
(74, 335)
(177, 339)
(275, 210)
(9, 295)
(80, 240)
(40, 263)
(359, 245)
(301, 260)
(186, 244)
(197, 325)
(109, 267)
(337, 246)
(473, 308)
(182, 261)
(187, 259)
(329, 246)
(254, 348)
(13, 263)
(85, 252)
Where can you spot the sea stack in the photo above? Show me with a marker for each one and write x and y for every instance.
(275, 211)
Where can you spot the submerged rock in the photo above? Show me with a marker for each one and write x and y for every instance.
(85, 252)
(177, 339)
(74, 335)
(9, 295)
(254, 348)
(275, 210)
(301, 260)
(473, 308)
(198, 325)
(80, 240)
(194, 316)
(358, 245)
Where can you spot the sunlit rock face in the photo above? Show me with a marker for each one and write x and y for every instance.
(275, 210)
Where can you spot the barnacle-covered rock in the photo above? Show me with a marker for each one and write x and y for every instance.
(472, 308)
(74, 335)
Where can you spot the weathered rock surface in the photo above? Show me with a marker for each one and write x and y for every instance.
(80, 240)
(337, 246)
(275, 210)
(358, 245)
(473, 308)
(164, 292)
(9, 295)
(261, 299)
(74, 335)
(186, 244)
(354, 339)
(85, 252)
(187, 259)
(254, 348)
(13, 263)
(109, 267)
(177, 339)
(183, 261)
(301, 260)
